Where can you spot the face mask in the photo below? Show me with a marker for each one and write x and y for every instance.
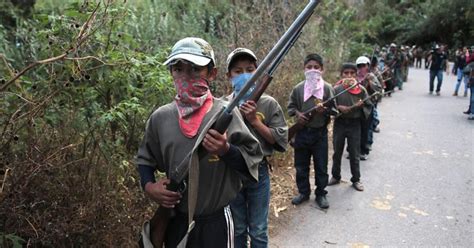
(238, 83)
(314, 85)
(191, 94)
(312, 75)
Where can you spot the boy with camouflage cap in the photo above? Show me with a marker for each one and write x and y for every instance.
(171, 132)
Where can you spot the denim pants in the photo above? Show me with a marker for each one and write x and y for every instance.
(350, 129)
(373, 123)
(366, 133)
(471, 106)
(398, 78)
(311, 142)
(439, 75)
(250, 211)
(461, 76)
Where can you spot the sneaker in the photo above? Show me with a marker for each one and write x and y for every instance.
(358, 186)
(431, 92)
(437, 93)
(299, 199)
(364, 157)
(471, 118)
(455, 94)
(333, 181)
(377, 130)
(322, 201)
(467, 112)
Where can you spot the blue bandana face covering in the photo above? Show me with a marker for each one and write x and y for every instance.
(238, 83)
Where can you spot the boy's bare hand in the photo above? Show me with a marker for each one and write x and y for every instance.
(158, 192)
(216, 143)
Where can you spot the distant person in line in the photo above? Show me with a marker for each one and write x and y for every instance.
(469, 72)
(418, 53)
(439, 63)
(458, 69)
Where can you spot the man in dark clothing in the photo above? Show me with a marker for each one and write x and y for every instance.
(438, 65)
(418, 56)
(312, 140)
(348, 125)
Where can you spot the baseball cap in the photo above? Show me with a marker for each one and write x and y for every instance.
(362, 60)
(194, 50)
(237, 52)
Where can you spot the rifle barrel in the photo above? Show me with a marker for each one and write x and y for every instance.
(297, 24)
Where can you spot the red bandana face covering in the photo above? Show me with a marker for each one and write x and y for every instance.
(348, 82)
(193, 100)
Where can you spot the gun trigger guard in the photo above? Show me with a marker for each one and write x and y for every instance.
(182, 187)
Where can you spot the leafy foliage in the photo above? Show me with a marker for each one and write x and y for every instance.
(71, 124)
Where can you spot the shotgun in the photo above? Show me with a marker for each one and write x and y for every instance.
(177, 176)
(312, 111)
(356, 105)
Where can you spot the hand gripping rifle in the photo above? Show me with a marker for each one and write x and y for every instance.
(312, 111)
(177, 176)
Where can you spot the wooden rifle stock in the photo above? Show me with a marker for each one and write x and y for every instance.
(161, 218)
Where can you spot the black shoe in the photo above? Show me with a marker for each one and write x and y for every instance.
(322, 201)
(358, 186)
(299, 199)
(364, 157)
(377, 130)
(333, 181)
(467, 112)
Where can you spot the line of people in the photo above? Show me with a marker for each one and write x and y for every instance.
(231, 194)
(354, 99)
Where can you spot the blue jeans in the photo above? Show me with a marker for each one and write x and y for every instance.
(461, 75)
(471, 87)
(374, 122)
(250, 211)
(311, 142)
(439, 75)
(398, 77)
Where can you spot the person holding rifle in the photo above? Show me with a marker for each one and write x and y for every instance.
(392, 71)
(372, 85)
(171, 132)
(348, 124)
(266, 121)
(312, 139)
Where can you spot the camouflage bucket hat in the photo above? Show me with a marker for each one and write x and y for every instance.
(194, 50)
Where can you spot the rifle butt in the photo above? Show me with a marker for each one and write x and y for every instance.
(158, 224)
(293, 130)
